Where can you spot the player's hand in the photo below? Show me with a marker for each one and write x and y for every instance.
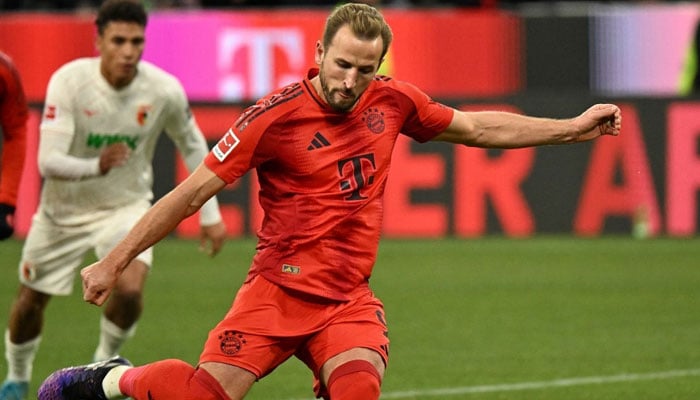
(599, 120)
(7, 221)
(114, 155)
(211, 238)
(98, 282)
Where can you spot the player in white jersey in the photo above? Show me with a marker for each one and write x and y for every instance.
(101, 122)
(84, 114)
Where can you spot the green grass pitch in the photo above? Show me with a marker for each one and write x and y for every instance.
(550, 317)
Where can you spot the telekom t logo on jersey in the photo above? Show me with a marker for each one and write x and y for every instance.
(246, 56)
(353, 171)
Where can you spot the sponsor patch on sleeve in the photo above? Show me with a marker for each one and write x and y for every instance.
(224, 147)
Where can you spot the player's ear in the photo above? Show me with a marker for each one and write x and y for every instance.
(98, 42)
(318, 54)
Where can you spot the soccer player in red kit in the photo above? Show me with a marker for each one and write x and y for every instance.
(13, 126)
(322, 150)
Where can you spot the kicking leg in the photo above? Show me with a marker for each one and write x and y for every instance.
(167, 379)
(175, 379)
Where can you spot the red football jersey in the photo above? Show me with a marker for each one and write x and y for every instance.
(13, 121)
(322, 175)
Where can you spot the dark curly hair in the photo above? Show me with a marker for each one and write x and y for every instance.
(120, 10)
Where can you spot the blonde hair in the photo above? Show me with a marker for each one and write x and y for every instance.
(364, 20)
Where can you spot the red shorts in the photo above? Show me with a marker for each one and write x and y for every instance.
(267, 324)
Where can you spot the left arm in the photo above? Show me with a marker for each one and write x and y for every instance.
(213, 230)
(184, 200)
(185, 133)
(13, 128)
(495, 129)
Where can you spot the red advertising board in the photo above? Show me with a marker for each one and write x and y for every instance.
(242, 55)
(40, 43)
(437, 189)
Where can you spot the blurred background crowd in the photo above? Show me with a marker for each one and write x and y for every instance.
(71, 5)
(87, 5)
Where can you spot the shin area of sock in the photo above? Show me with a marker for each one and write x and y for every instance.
(170, 379)
(355, 380)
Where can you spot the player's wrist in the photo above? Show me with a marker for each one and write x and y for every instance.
(6, 209)
(7, 213)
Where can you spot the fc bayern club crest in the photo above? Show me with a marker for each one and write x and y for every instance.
(231, 342)
(374, 120)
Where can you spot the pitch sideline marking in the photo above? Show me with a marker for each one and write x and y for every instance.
(510, 387)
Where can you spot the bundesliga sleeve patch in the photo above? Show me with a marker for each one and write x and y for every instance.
(225, 145)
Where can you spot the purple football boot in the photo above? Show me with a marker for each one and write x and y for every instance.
(79, 383)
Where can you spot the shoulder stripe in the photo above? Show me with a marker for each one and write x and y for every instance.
(251, 113)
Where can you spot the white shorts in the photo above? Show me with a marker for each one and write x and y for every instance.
(52, 253)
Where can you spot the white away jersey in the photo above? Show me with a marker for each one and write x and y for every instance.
(83, 114)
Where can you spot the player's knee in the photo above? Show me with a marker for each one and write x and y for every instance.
(203, 385)
(30, 301)
(354, 380)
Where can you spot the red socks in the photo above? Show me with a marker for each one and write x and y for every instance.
(177, 380)
(354, 380)
(170, 380)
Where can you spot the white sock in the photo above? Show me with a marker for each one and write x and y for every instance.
(110, 383)
(112, 338)
(20, 358)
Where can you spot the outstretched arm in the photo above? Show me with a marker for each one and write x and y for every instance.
(495, 129)
(183, 201)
